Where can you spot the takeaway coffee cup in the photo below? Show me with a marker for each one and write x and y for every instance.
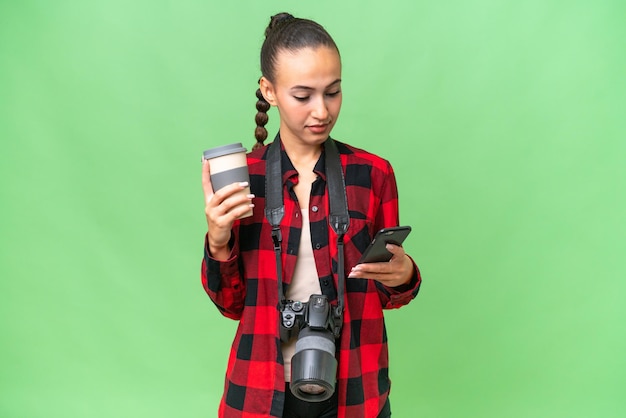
(228, 165)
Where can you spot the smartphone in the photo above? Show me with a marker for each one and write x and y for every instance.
(376, 251)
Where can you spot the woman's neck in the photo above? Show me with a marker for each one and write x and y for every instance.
(303, 156)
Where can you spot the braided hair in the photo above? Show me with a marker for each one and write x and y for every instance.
(284, 32)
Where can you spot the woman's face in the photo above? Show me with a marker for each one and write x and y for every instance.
(307, 93)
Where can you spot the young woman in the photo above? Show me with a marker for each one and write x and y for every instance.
(301, 77)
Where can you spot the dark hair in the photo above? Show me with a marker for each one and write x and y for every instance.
(284, 32)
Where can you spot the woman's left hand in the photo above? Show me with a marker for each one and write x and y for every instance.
(395, 272)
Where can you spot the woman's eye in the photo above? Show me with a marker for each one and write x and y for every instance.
(305, 98)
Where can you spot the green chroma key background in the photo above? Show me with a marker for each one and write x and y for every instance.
(504, 122)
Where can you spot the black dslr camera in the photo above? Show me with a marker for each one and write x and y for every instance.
(313, 366)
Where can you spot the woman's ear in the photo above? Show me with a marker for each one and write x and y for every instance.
(267, 89)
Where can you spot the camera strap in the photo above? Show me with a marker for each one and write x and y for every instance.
(339, 218)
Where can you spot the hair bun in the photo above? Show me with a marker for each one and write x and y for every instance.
(277, 20)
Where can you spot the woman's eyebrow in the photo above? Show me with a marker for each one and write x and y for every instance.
(311, 88)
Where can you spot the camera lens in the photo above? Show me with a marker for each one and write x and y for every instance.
(314, 366)
(312, 389)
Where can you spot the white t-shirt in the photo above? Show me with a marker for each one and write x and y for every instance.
(305, 283)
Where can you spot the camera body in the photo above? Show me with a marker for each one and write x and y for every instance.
(316, 314)
(313, 366)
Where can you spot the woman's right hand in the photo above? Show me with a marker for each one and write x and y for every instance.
(222, 208)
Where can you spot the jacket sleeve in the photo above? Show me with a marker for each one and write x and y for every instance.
(223, 281)
(388, 216)
(396, 297)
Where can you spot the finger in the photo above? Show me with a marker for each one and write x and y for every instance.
(379, 277)
(225, 207)
(396, 250)
(235, 201)
(229, 193)
(370, 269)
(396, 272)
(388, 277)
(381, 269)
(207, 187)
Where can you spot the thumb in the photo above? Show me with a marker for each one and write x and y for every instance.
(207, 187)
(394, 249)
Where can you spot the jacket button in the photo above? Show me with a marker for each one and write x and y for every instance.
(314, 208)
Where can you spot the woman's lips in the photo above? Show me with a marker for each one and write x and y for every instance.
(318, 129)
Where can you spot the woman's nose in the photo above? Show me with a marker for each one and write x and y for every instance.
(320, 110)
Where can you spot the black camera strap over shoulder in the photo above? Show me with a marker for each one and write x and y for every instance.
(339, 218)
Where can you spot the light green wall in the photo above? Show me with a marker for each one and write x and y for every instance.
(504, 122)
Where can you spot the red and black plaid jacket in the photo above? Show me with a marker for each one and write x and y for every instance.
(244, 287)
